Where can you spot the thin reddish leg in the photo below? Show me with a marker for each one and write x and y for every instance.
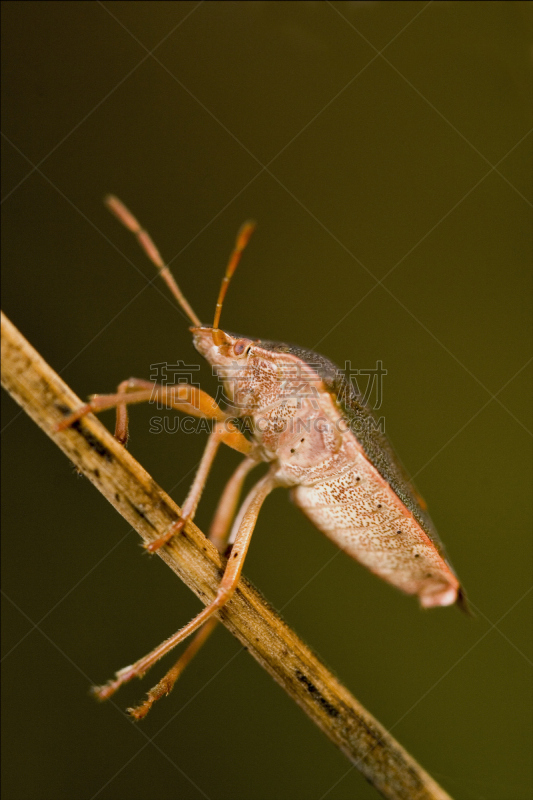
(227, 505)
(121, 424)
(209, 406)
(195, 492)
(248, 517)
(185, 398)
(218, 534)
(166, 684)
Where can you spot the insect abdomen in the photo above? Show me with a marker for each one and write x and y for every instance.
(360, 512)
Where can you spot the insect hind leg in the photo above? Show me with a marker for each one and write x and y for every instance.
(218, 534)
(247, 519)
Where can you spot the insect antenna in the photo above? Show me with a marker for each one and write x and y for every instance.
(125, 216)
(243, 237)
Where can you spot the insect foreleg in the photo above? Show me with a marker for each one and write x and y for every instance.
(247, 519)
(185, 398)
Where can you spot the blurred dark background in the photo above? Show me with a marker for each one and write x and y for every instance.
(384, 149)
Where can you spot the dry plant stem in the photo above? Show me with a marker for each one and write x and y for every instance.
(146, 507)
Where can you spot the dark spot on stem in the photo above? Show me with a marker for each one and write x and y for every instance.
(93, 441)
(314, 692)
(140, 513)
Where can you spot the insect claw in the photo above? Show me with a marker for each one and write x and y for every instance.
(108, 689)
(64, 424)
(156, 544)
(73, 417)
(139, 712)
(166, 684)
(105, 691)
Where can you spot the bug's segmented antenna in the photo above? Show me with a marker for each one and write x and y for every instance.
(243, 237)
(125, 216)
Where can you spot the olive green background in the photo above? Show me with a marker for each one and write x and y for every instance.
(384, 150)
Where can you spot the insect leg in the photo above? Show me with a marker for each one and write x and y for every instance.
(219, 435)
(121, 423)
(186, 398)
(246, 520)
(218, 534)
(166, 684)
(227, 505)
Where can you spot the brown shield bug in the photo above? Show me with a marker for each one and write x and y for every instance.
(305, 419)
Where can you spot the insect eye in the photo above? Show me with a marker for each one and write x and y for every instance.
(240, 346)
